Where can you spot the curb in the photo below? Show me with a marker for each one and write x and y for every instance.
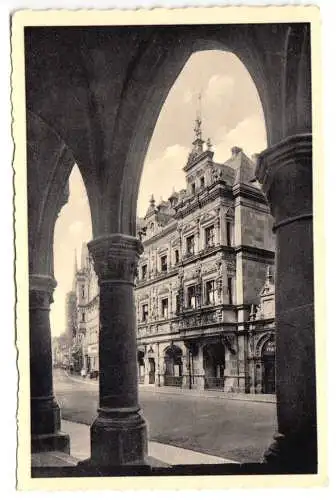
(181, 392)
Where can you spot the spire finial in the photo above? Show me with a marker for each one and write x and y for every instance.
(75, 261)
(74, 278)
(198, 122)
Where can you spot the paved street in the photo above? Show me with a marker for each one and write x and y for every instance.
(232, 429)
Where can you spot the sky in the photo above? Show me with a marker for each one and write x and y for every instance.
(231, 116)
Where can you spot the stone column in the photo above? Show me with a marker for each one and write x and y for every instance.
(118, 435)
(285, 171)
(45, 412)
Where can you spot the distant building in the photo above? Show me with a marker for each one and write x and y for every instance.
(204, 293)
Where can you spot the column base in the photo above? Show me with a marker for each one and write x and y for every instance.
(293, 453)
(45, 426)
(50, 442)
(118, 438)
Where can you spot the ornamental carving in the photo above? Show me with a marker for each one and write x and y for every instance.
(41, 289)
(39, 299)
(116, 257)
(209, 216)
(189, 227)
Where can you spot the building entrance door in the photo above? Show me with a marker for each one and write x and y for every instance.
(268, 362)
(151, 373)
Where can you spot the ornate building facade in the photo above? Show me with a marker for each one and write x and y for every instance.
(202, 323)
(204, 291)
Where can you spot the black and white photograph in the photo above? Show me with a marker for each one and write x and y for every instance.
(165, 175)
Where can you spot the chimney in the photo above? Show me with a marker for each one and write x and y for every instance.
(236, 150)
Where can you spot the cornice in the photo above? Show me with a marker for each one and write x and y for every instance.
(255, 251)
(249, 192)
(171, 227)
(161, 277)
(219, 189)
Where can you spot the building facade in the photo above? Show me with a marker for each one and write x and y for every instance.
(204, 291)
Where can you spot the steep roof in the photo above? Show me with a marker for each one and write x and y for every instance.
(243, 166)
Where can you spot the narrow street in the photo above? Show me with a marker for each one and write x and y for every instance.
(233, 429)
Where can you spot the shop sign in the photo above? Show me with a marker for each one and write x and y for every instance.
(269, 347)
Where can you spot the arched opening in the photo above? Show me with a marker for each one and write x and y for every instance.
(268, 366)
(74, 321)
(173, 367)
(151, 366)
(231, 114)
(141, 366)
(214, 366)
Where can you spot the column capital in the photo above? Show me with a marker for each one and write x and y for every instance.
(285, 172)
(41, 288)
(115, 257)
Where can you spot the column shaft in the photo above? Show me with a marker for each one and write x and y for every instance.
(286, 174)
(118, 435)
(45, 412)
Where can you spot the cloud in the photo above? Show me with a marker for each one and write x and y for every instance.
(218, 88)
(161, 175)
(249, 134)
(188, 96)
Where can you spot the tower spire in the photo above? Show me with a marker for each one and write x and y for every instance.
(75, 271)
(198, 141)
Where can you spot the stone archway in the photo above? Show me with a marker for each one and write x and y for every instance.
(268, 366)
(173, 366)
(141, 365)
(103, 108)
(214, 366)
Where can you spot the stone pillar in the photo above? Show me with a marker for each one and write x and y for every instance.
(45, 412)
(118, 435)
(285, 171)
(199, 369)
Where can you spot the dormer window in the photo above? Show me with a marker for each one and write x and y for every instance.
(202, 182)
(193, 188)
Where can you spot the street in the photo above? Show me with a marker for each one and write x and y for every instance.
(232, 429)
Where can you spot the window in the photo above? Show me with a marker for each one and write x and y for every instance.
(144, 312)
(164, 308)
(83, 291)
(83, 316)
(210, 292)
(230, 289)
(210, 236)
(164, 263)
(177, 257)
(190, 245)
(193, 188)
(202, 182)
(228, 233)
(144, 272)
(191, 297)
(177, 303)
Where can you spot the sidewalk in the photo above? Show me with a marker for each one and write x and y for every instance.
(239, 396)
(170, 455)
